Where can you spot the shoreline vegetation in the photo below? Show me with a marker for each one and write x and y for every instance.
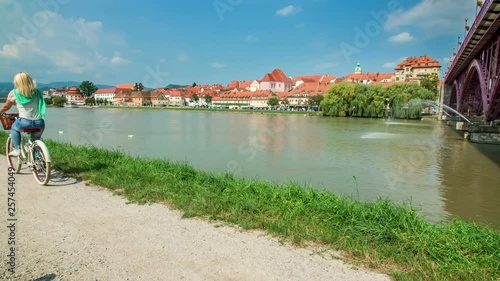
(433, 117)
(384, 236)
(309, 113)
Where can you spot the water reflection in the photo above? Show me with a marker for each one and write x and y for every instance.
(471, 180)
(421, 162)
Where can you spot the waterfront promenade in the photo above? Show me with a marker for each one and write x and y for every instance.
(71, 231)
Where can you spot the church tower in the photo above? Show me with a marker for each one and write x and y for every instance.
(358, 69)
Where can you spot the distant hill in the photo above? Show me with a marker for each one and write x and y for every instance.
(171, 86)
(6, 87)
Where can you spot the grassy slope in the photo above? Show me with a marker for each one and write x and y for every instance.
(379, 234)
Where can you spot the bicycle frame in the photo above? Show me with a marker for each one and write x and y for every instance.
(26, 157)
(26, 148)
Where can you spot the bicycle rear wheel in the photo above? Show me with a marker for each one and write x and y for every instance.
(13, 161)
(42, 163)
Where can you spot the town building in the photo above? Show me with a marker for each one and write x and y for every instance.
(416, 68)
(105, 94)
(276, 81)
(74, 96)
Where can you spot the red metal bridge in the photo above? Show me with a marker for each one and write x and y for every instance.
(471, 82)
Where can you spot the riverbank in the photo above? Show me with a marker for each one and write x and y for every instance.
(381, 235)
(308, 113)
(70, 230)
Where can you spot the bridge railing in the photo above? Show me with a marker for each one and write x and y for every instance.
(479, 17)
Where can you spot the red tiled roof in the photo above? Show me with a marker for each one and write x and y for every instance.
(369, 76)
(383, 76)
(125, 86)
(311, 89)
(246, 84)
(280, 76)
(328, 79)
(283, 95)
(418, 62)
(340, 80)
(268, 77)
(176, 93)
(106, 91)
(233, 85)
(354, 76)
(308, 78)
(73, 92)
(276, 76)
(360, 77)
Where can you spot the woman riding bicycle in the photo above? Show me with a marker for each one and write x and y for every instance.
(31, 107)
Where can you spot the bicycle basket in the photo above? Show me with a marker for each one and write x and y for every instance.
(8, 120)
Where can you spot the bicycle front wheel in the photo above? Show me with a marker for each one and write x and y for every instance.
(13, 161)
(42, 163)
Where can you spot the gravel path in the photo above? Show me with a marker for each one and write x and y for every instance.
(71, 231)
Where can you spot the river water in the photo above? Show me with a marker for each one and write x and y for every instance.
(423, 163)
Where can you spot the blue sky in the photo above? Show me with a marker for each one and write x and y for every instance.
(216, 41)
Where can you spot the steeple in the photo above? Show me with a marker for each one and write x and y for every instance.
(358, 69)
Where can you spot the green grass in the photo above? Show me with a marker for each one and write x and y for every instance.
(382, 235)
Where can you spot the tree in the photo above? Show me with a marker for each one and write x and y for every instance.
(273, 101)
(431, 83)
(286, 102)
(135, 88)
(194, 84)
(195, 98)
(338, 99)
(48, 101)
(90, 101)
(315, 100)
(140, 87)
(208, 98)
(59, 101)
(87, 88)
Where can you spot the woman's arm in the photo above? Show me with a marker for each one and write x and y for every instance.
(8, 104)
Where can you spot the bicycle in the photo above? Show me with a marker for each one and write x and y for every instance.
(34, 154)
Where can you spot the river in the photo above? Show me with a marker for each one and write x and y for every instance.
(423, 163)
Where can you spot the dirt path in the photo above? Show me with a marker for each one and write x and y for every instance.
(70, 231)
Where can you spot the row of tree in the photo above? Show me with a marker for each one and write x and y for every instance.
(360, 100)
(207, 98)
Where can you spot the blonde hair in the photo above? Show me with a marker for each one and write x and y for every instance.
(25, 84)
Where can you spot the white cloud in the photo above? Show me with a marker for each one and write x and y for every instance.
(183, 57)
(428, 15)
(288, 11)
(55, 47)
(393, 64)
(218, 65)
(402, 37)
(10, 51)
(250, 38)
(117, 59)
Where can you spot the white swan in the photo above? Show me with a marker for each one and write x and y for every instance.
(130, 136)
(60, 132)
